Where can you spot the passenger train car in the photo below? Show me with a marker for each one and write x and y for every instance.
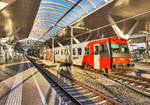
(105, 55)
(108, 54)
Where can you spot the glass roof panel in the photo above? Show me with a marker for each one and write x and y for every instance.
(51, 11)
(86, 5)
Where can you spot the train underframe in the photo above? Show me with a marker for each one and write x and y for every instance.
(116, 68)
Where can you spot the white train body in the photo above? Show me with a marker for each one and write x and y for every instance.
(62, 54)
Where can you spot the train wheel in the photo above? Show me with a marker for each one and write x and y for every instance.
(106, 70)
(90, 67)
(83, 66)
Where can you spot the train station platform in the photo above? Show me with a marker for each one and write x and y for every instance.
(141, 70)
(22, 84)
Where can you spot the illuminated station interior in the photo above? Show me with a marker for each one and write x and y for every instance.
(74, 52)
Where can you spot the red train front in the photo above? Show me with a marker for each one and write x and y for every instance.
(110, 54)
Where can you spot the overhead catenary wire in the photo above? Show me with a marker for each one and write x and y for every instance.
(120, 21)
(108, 25)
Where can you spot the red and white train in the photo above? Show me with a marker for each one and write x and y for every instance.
(107, 54)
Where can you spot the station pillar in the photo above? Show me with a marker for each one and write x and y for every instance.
(71, 48)
(53, 51)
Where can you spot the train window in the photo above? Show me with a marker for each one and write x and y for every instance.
(61, 51)
(64, 51)
(58, 52)
(74, 51)
(55, 51)
(87, 50)
(101, 48)
(67, 52)
(96, 50)
(104, 50)
(79, 51)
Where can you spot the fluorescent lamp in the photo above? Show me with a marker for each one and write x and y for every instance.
(3, 5)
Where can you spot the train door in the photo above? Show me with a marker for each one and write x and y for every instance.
(104, 56)
(96, 56)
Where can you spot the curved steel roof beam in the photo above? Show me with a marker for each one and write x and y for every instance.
(54, 14)
(45, 22)
(47, 16)
(52, 9)
(54, 3)
(51, 17)
(52, 23)
(50, 13)
(56, 10)
(54, 31)
(81, 6)
(41, 18)
(89, 1)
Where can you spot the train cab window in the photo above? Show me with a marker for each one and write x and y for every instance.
(124, 48)
(74, 51)
(79, 51)
(87, 50)
(96, 50)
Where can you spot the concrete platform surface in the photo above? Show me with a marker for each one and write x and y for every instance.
(141, 70)
(22, 84)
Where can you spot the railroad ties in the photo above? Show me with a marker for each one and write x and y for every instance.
(139, 84)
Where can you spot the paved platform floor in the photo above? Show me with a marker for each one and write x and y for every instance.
(22, 84)
(141, 70)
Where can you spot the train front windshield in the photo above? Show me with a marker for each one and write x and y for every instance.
(119, 50)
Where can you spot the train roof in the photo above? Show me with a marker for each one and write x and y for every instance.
(90, 41)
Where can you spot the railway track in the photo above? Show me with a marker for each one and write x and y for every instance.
(79, 93)
(138, 84)
(141, 85)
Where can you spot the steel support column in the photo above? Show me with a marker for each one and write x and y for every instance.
(53, 51)
(133, 27)
(71, 51)
(115, 27)
(76, 40)
(59, 44)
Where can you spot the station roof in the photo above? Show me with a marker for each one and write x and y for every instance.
(61, 13)
(16, 19)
